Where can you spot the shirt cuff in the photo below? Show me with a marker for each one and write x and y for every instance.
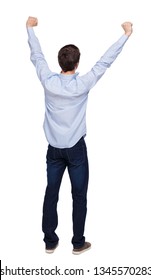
(30, 31)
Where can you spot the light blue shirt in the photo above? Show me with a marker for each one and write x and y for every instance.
(66, 95)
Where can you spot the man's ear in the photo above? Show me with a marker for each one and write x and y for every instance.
(76, 66)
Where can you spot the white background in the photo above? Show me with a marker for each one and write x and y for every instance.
(118, 135)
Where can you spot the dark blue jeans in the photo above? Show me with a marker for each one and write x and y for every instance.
(76, 161)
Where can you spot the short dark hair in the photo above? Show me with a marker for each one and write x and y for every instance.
(68, 57)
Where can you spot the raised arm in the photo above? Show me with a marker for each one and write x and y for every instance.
(37, 56)
(91, 78)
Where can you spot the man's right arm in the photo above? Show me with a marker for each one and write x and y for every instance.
(98, 70)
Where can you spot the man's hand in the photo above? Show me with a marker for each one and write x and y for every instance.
(127, 26)
(31, 22)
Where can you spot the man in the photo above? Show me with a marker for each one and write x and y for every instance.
(66, 97)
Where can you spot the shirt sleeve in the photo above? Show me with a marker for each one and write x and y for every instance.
(98, 70)
(37, 57)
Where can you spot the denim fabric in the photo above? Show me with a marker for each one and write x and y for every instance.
(76, 161)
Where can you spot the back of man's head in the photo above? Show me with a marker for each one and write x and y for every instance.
(68, 57)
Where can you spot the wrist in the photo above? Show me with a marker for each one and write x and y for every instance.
(28, 26)
(128, 33)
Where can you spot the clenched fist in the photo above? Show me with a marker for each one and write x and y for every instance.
(127, 26)
(31, 22)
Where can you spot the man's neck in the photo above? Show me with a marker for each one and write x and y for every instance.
(68, 72)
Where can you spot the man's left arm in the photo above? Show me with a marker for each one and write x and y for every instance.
(37, 56)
